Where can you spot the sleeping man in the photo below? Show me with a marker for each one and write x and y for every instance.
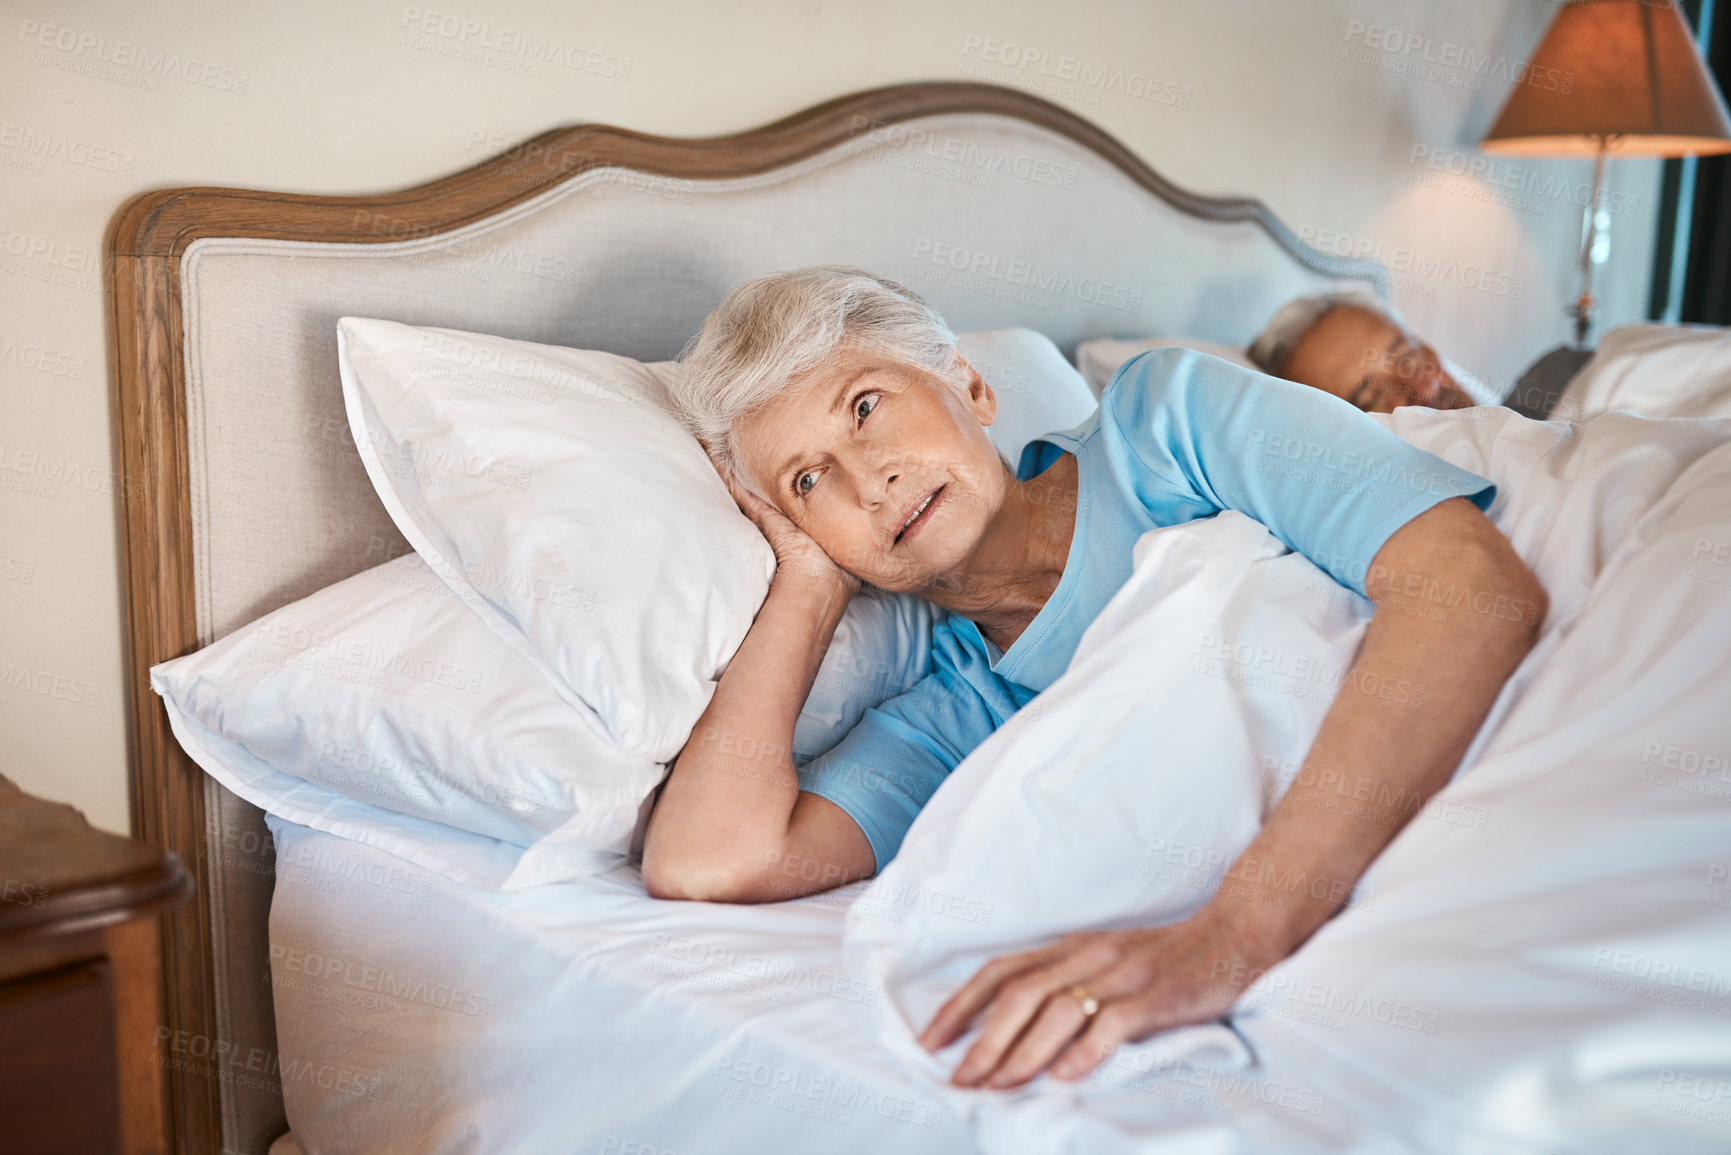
(1359, 351)
(848, 428)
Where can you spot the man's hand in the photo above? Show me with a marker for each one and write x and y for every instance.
(1143, 980)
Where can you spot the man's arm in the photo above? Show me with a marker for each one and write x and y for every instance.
(1429, 669)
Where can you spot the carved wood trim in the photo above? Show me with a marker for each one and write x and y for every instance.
(164, 223)
(166, 787)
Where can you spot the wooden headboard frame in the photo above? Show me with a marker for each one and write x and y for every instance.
(146, 241)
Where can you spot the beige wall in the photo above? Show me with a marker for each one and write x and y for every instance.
(1318, 107)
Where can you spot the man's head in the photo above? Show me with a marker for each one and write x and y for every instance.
(839, 398)
(1354, 348)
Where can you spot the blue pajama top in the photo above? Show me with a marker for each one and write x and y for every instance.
(1179, 435)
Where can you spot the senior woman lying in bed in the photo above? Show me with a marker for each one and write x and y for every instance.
(851, 431)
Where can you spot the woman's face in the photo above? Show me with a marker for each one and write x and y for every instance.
(854, 453)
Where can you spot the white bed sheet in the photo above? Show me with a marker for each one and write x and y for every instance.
(417, 1015)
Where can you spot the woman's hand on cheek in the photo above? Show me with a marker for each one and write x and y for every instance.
(1144, 981)
(795, 551)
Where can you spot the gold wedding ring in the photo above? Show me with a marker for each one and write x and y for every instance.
(1083, 995)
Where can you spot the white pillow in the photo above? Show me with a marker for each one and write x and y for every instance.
(1037, 390)
(384, 689)
(557, 493)
(1655, 371)
(502, 460)
(1103, 356)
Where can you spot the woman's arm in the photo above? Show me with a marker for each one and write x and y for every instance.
(731, 816)
(1432, 664)
(1426, 675)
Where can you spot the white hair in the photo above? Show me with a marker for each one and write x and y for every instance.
(1274, 345)
(770, 333)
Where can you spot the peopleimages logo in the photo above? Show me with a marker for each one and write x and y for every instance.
(1445, 61)
(52, 262)
(1496, 179)
(813, 1093)
(1690, 987)
(413, 988)
(40, 358)
(45, 474)
(983, 271)
(960, 153)
(1067, 76)
(41, 143)
(87, 52)
(1428, 268)
(447, 34)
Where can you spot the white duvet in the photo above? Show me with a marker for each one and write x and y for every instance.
(1542, 959)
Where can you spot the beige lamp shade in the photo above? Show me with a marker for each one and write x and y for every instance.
(1623, 70)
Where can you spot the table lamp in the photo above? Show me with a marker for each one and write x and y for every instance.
(1612, 76)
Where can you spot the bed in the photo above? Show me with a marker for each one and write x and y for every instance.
(298, 989)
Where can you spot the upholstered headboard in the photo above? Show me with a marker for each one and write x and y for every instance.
(243, 491)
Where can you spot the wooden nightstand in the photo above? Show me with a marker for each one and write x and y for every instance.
(79, 981)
